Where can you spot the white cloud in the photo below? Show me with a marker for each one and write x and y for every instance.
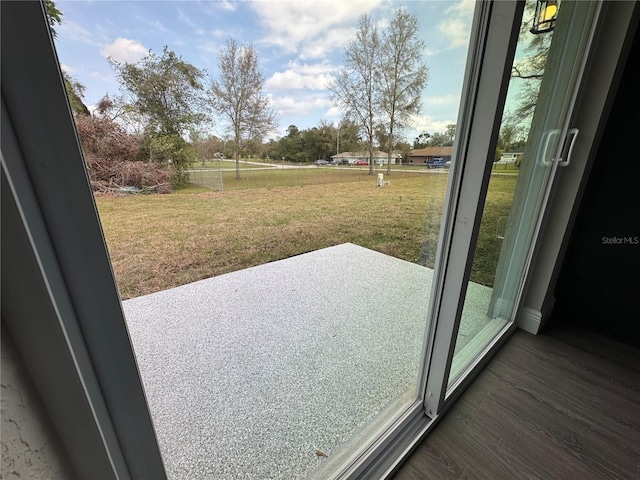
(109, 77)
(333, 112)
(456, 29)
(218, 33)
(288, 105)
(448, 99)
(292, 80)
(227, 5)
(158, 27)
(313, 76)
(456, 25)
(312, 69)
(124, 50)
(320, 47)
(464, 8)
(311, 28)
(72, 31)
(210, 47)
(67, 68)
(425, 123)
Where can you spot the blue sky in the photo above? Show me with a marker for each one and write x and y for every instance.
(300, 46)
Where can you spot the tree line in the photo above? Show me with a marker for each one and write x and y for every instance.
(166, 106)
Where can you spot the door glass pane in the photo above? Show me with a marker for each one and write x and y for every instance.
(544, 76)
(278, 318)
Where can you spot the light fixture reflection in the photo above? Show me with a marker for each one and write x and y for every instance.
(545, 16)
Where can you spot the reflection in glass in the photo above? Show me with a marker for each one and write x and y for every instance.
(522, 174)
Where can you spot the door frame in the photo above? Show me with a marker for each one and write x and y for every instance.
(484, 95)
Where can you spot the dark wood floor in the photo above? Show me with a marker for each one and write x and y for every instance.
(561, 405)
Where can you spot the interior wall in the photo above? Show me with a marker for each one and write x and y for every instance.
(599, 283)
(31, 448)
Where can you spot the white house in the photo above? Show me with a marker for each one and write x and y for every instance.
(379, 157)
(509, 158)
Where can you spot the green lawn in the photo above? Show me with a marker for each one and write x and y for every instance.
(265, 177)
(161, 241)
(496, 211)
(215, 164)
(504, 168)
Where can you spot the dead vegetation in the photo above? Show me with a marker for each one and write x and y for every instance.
(114, 157)
(114, 177)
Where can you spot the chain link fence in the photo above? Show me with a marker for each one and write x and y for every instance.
(292, 176)
(208, 178)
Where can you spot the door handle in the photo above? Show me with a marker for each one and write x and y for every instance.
(545, 147)
(569, 142)
(567, 148)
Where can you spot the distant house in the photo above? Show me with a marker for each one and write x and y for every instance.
(509, 158)
(379, 157)
(423, 156)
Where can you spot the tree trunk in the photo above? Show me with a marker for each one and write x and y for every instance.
(390, 148)
(236, 152)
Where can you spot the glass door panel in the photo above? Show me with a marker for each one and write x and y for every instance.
(545, 77)
(298, 306)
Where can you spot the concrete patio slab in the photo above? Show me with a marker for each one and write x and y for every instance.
(248, 373)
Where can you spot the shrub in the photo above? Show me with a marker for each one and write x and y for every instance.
(112, 156)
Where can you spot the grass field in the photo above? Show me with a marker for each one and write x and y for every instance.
(259, 163)
(257, 177)
(508, 168)
(162, 241)
(221, 164)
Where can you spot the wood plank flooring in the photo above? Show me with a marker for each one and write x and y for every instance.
(561, 405)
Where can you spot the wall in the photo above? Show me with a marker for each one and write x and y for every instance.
(31, 448)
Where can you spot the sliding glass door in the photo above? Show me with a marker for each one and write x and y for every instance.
(479, 271)
(501, 260)
(512, 151)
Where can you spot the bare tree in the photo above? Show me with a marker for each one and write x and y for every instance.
(402, 74)
(237, 96)
(354, 87)
(529, 68)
